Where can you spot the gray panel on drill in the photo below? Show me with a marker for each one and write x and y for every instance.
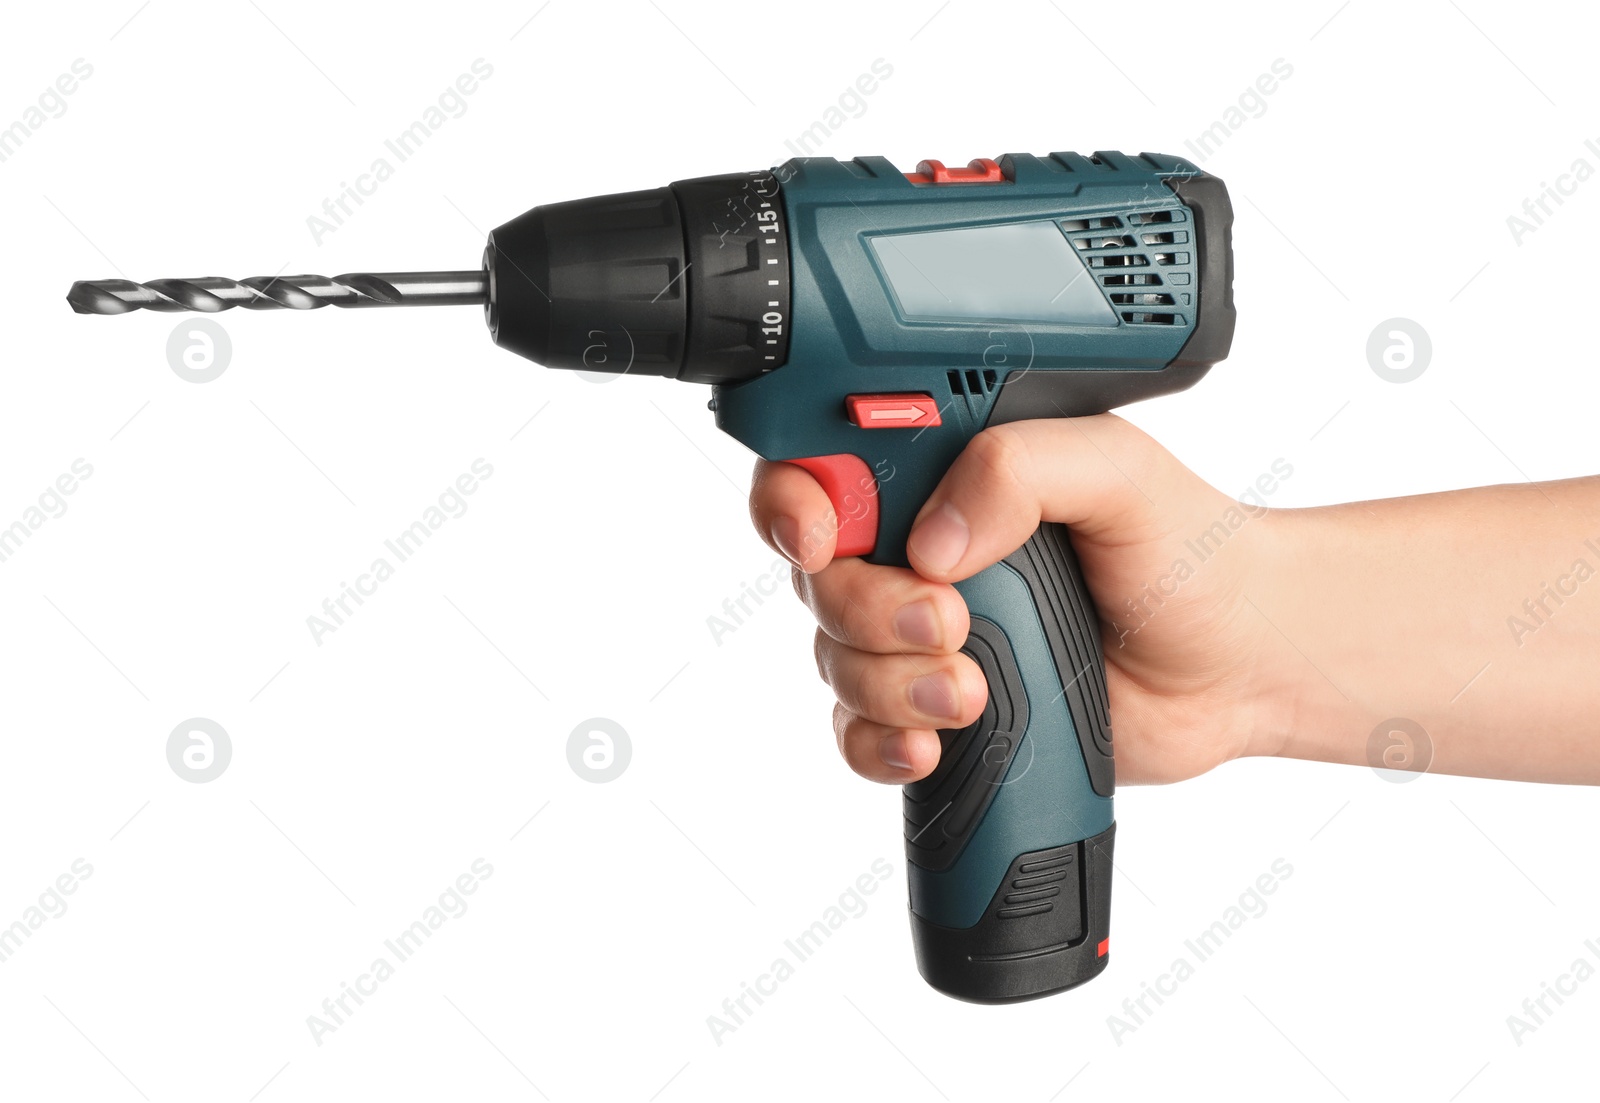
(1020, 272)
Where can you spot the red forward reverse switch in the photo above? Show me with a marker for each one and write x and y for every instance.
(892, 411)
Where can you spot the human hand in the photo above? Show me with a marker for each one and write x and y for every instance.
(1183, 647)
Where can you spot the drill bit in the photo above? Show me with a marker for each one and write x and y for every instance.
(210, 294)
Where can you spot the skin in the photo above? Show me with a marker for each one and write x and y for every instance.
(1302, 635)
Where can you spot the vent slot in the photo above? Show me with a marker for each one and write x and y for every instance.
(1124, 260)
(1170, 237)
(1076, 225)
(1121, 241)
(1125, 299)
(975, 385)
(973, 381)
(1132, 279)
(1145, 218)
(1149, 319)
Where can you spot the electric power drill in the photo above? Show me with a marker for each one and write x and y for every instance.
(865, 324)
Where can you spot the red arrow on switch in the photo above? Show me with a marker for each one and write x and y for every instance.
(892, 411)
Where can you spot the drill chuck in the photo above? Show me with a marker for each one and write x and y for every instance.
(689, 281)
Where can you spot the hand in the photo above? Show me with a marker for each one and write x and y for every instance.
(1184, 648)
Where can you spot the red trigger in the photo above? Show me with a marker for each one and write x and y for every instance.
(851, 487)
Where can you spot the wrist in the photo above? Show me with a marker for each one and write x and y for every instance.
(1292, 705)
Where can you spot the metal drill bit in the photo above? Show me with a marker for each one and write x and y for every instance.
(210, 294)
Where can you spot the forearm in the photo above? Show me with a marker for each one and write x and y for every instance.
(1474, 614)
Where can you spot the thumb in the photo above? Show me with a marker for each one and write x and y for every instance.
(1099, 474)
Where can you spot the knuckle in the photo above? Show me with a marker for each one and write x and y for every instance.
(1130, 453)
(849, 730)
(819, 652)
(831, 602)
(997, 453)
(890, 693)
(858, 623)
(864, 689)
(850, 747)
(841, 729)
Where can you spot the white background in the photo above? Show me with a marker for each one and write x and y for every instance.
(372, 770)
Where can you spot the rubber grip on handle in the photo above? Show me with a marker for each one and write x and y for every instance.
(1008, 841)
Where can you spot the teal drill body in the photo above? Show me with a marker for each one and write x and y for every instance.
(1025, 287)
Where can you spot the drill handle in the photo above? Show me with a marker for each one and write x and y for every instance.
(1009, 840)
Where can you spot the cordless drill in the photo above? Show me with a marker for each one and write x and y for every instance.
(865, 324)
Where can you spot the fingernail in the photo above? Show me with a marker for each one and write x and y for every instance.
(934, 695)
(917, 624)
(941, 538)
(894, 751)
(786, 534)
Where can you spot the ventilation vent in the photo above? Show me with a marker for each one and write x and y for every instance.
(1076, 225)
(1139, 252)
(1123, 260)
(1121, 241)
(972, 381)
(975, 385)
